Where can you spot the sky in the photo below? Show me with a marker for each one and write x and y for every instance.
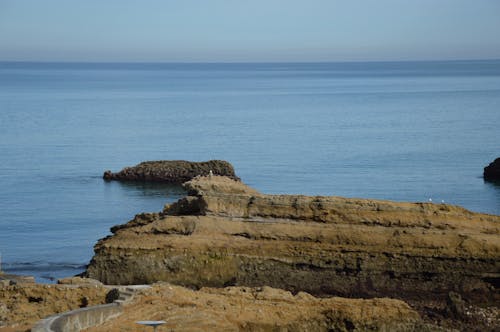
(248, 31)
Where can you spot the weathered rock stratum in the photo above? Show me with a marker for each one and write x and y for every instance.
(492, 171)
(262, 309)
(172, 171)
(227, 234)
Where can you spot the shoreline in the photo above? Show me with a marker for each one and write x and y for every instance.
(230, 205)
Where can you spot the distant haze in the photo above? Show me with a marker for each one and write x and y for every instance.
(248, 31)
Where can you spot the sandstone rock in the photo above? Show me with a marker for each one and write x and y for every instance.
(172, 171)
(13, 279)
(79, 281)
(22, 305)
(262, 309)
(455, 305)
(492, 171)
(227, 234)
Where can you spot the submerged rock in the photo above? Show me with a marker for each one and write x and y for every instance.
(492, 171)
(227, 234)
(172, 171)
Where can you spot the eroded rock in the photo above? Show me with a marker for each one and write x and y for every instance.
(226, 234)
(79, 281)
(263, 309)
(22, 305)
(172, 171)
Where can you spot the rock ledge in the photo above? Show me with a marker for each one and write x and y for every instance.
(225, 233)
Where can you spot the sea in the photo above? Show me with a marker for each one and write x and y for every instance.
(403, 131)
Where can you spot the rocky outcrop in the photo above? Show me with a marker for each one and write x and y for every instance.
(21, 305)
(263, 309)
(7, 279)
(225, 233)
(492, 171)
(79, 281)
(89, 316)
(172, 171)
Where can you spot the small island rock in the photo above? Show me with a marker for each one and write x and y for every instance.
(172, 171)
(492, 171)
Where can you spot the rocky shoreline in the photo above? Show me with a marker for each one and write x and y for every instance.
(228, 257)
(236, 308)
(263, 309)
(225, 233)
(443, 259)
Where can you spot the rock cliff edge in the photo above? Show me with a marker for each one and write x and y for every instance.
(225, 233)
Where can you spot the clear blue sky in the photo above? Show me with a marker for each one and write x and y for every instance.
(253, 30)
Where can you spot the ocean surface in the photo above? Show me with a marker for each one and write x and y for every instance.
(405, 131)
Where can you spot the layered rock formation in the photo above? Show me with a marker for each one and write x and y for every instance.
(262, 309)
(225, 233)
(172, 171)
(492, 171)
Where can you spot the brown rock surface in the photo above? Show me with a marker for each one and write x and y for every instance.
(23, 305)
(172, 171)
(261, 309)
(226, 233)
(79, 281)
(13, 279)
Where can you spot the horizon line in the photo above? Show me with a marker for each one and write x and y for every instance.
(237, 62)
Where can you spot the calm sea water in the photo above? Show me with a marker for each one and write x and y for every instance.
(401, 131)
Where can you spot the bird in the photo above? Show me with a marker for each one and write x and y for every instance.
(430, 200)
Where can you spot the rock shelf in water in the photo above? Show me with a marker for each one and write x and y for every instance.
(172, 171)
(225, 233)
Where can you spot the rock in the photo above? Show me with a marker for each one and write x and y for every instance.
(79, 281)
(22, 305)
(262, 309)
(227, 234)
(172, 171)
(112, 295)
(455, 306)
(13, 279)
(108, 175)
(492, 171)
